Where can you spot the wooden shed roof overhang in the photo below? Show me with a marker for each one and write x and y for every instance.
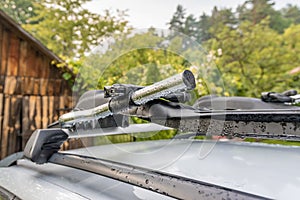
(18, 30)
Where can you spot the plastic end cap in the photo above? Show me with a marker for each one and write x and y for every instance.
(189, 79)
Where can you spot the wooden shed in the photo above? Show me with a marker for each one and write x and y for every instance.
(32, 91)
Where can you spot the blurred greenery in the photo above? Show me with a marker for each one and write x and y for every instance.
(136, 137)
(243, 51)
(20, 10)
(255, 47)
(266, 141)
(240, 54)
(269, 141)
(65, 26)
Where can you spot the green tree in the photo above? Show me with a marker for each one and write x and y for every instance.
(291, 41)
(68, 29)
(178, 19)
(19, 10)
(65, 27)
(292, 13)
(257, 10)
(253, 59)
(138, 58)
(254, 47)
(134, 59)
(203, 28)
(181, 24)
(221, 18)
(200, 30)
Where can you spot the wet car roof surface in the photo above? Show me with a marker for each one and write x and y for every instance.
(266, 170)
(262, 169)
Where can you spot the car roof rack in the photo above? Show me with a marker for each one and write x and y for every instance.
(158, 104)
(160, 182)
(106, 112)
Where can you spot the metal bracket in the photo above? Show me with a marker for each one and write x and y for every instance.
(43, 143)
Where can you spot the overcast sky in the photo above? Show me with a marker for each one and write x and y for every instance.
(156, 13)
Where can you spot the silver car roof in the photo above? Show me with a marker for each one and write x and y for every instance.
(267, 170)
(262, 169)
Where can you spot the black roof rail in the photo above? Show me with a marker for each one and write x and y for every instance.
(160, 182)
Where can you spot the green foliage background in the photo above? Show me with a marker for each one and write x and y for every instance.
(252, 48)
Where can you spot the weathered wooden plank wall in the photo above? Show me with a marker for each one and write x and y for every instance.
(32, 92)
